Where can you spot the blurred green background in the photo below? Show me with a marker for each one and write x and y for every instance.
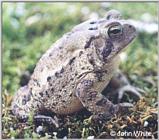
(29, 29)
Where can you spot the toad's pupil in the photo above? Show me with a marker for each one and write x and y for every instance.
(115, 30)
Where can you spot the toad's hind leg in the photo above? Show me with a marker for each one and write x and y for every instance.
(21, 105)
(46, 119)
(120, 85)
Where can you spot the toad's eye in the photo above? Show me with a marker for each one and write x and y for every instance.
(115, 30)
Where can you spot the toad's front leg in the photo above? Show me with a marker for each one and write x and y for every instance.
(95, 102)
(118, 86)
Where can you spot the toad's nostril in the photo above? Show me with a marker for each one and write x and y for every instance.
(92, 22)
(92, 28)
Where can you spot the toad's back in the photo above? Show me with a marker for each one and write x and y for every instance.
(52, 85)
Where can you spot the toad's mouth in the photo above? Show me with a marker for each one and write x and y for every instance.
(131, 39)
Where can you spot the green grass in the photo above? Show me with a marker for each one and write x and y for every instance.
(24, 44)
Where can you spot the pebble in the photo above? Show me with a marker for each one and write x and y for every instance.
(146, 123)
(39, 129)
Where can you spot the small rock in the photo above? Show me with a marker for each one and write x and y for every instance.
(39, 129)
(90, 137)
(55, 135)
(65, 137)
(146, 123)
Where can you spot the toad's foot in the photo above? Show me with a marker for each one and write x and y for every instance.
(122, 109)
(120, 85)
(46, 119)
(135, 92)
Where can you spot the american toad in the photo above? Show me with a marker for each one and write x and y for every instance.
(72, 74)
